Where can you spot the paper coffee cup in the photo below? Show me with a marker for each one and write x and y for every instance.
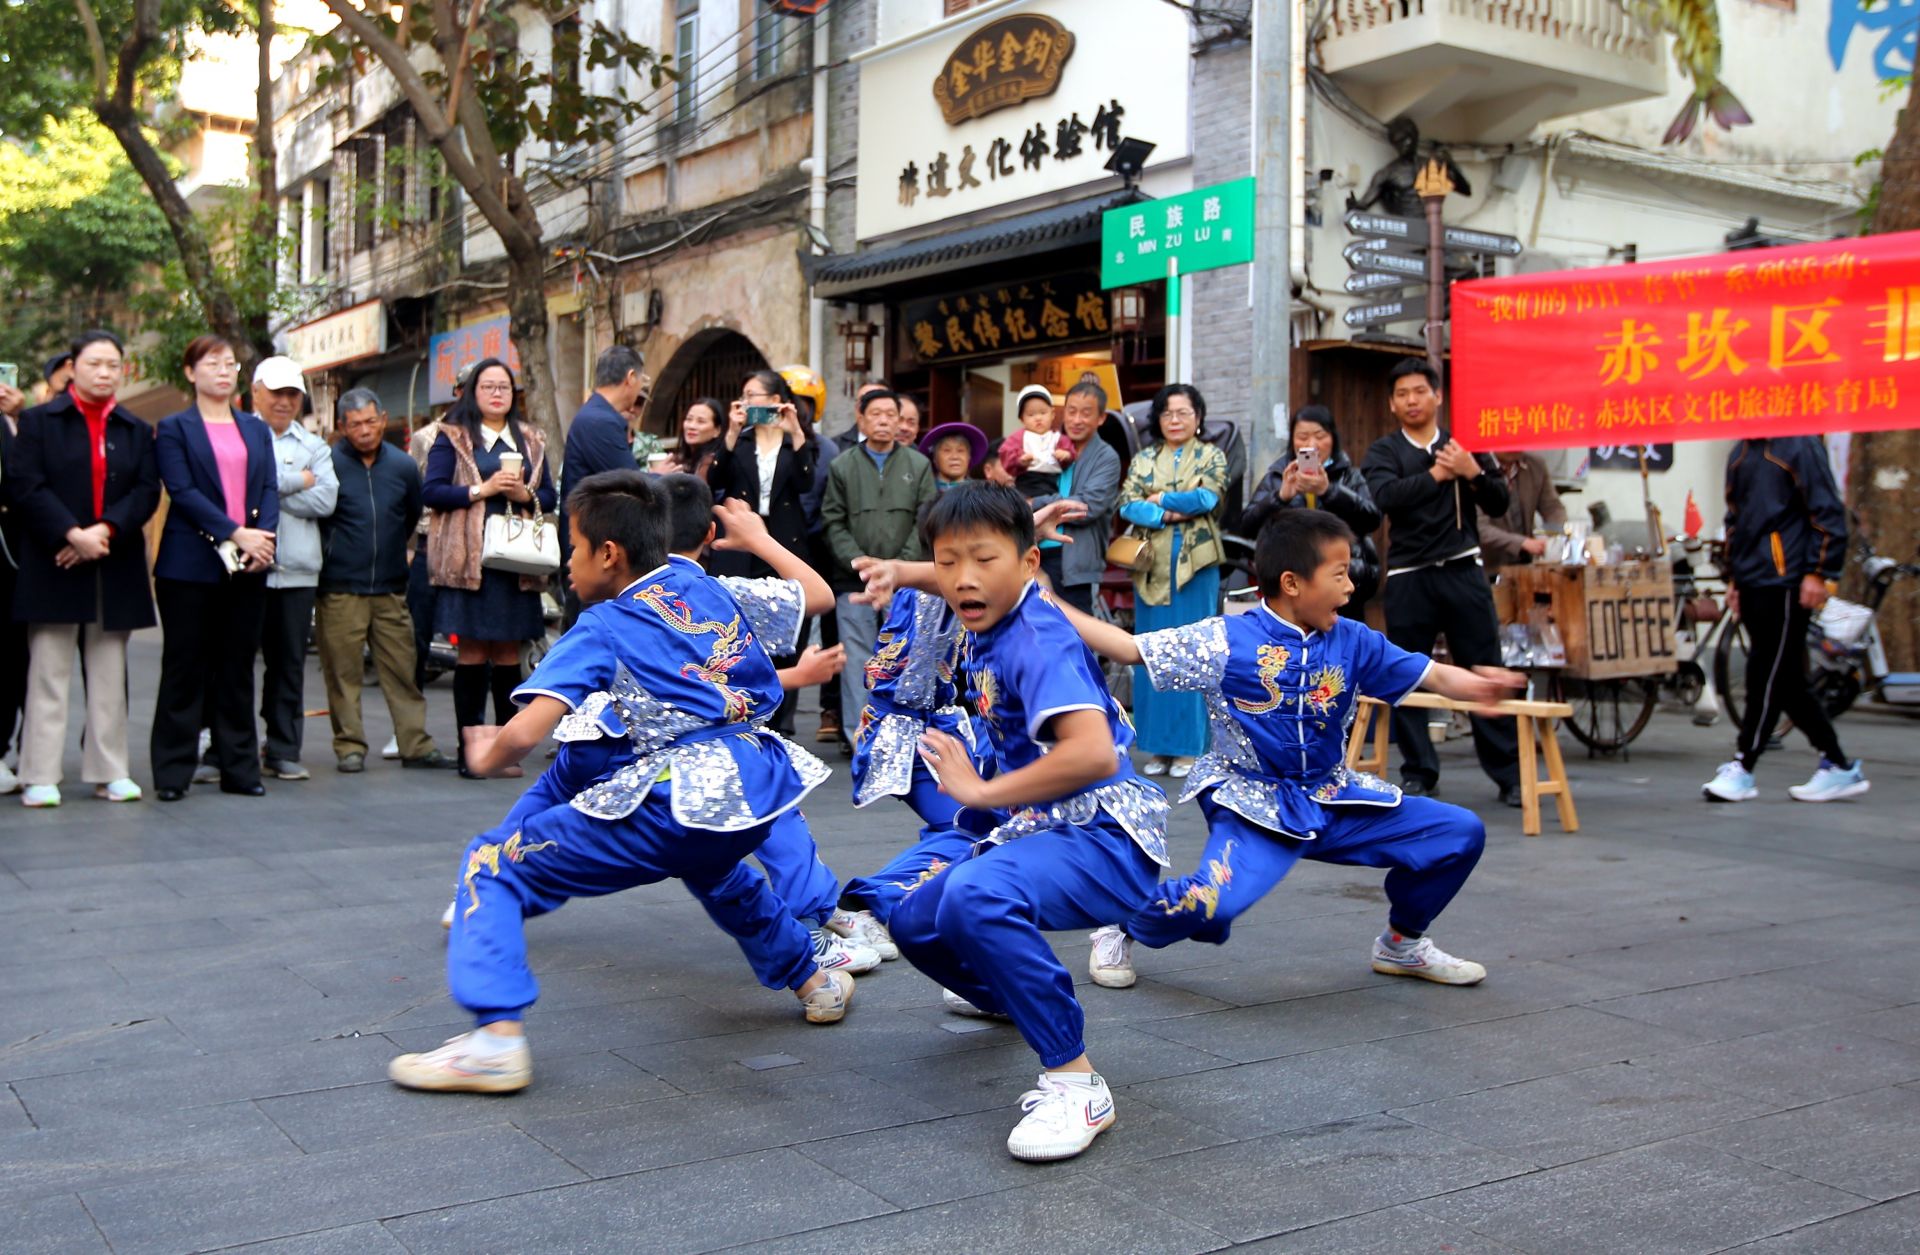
(512, 462)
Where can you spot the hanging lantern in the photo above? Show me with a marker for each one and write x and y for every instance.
(859, 336)
(1127, 310)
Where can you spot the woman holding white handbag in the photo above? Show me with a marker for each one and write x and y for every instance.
(489, 549)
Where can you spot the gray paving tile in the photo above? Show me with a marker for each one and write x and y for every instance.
(1863, 1143)
(1672, 1197)
(229, 1206)
(1796, 1064)
(1690, 960)
(1058, 1217)
(54, 1225)
(1329, 1171)
(369, 1238)
(48, 1047)
(1577, 1115)
(1402, 1230)
(38, 946)
(73, 1160)
(1256, 1099)
(1738, 1006)
(1884, 978)
(1471, 1057)
(1900, 1024)
(610, 1027)
(699, 1207)
(1889, 1228)
(773, 1110)
(917, 1165)
(1298, 1025)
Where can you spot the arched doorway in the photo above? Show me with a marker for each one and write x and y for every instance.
(710, 364)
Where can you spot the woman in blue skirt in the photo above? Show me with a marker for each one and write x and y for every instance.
(487, 459)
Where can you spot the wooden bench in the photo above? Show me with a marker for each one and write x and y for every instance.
(1535, 723)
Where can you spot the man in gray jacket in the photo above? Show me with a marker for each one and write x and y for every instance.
(308, 489)
(1094, 481)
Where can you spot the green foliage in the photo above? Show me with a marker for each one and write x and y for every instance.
(78, 231)
(246, 264)
(1890, 89)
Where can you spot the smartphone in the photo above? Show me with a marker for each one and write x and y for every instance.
(9, 375)
(762, 415)
(1307, 458)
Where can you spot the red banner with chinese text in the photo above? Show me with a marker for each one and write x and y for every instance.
(1763, 342)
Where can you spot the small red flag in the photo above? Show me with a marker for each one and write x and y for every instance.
(1694, 521)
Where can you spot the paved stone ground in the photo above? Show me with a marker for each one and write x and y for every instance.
(1701, 1033)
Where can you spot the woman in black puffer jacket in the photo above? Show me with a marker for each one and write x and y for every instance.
(1338, 489)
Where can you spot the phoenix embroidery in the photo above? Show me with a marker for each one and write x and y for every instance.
(1272, 660)
(1328, 684)
(986, 695)
(889, 660)
(728, 649)
(1205, 896)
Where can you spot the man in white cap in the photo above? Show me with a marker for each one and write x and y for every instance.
(308, 490)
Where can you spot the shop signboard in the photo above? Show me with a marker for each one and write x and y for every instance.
(995, 320)
(1799, 340)
(475, 342)
(1204, 229)
(1026, 101)
(338, 338)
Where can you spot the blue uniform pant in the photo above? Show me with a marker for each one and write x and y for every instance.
(1429, 847)
(976, 927)
(532, 866)
(792, 862)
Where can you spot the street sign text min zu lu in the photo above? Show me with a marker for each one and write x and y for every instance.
(1204, 229)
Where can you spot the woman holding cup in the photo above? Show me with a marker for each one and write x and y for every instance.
(486, 460)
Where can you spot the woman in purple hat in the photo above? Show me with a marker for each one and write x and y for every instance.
(955, 449)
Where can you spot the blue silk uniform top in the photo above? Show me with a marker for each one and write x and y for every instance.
(911, 686)
(673, 669)
(1023, 671)
(1279, 698)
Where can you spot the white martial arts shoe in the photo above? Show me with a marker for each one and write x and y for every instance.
(838, 954)
(456, 1068)
(1731, 783)
(960, 1006)
(1427, 961)
(1065, 1112)
(861, 926)
(828, 1004)
(1111, 963)
(446, 918)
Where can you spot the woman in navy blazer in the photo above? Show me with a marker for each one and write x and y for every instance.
(218, 468)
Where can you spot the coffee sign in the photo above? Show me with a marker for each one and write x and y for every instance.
(1002, 65)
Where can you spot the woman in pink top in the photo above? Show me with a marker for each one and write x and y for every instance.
(218, 468)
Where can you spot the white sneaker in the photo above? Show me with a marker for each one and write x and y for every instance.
(8, 781)
(446, 917)
(1181, 768)
(454, 1067)
(41, 795)
(391, 750)
(828, 1004)
(1065, 1112)
(838, 954)
(960, 1006)
(1111, 963)
(1154, 767)
(1427, 961)
(861, 926)
(121, 790)
(206, 773)
(1732, 783)
(1831, 783)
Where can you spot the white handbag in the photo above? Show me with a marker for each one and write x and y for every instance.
(520, 543)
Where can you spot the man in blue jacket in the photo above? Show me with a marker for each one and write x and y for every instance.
(598, 439)
(1786, 547)
(363, 587)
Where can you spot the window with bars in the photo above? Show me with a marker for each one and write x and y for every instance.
(366, 181)
(769, 45)
(686, 51)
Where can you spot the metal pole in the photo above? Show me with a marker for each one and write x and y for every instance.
(1173, 322)
(817, 192)
(1272, 294)
(1436, 275)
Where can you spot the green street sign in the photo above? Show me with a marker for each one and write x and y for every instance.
(1204, 229)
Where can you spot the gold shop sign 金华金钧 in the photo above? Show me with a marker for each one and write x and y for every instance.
(1001, 65)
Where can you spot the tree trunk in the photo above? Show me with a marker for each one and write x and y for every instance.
(1884, 466)
(265, 244)
(527, 321)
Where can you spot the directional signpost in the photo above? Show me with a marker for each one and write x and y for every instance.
(1414, 231)
(1204, 229)
(1403, 277)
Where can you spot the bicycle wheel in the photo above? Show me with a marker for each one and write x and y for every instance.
(1730, 672)
(1608, 714)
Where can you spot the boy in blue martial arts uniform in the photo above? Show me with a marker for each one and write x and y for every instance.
(1086, 839)
(1280, 683)
(667, 658)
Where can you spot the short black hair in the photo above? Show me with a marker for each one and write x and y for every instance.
(1296, 541)
(1089, 388)
(1414, 366)
(627, 508)
(976, 506)
(689, 511)
(615, 363)
(99, 335)
(878, 394)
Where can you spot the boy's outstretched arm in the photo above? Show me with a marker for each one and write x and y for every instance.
(886, 576)
(1485, 685)
(747, 533)
(1106, 639)
(1082, 754)
(491, 750)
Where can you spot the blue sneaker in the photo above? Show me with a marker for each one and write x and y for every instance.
(1732, 783)
(1831, 783)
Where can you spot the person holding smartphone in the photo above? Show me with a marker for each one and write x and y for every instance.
(1315, 474)
(766, 458)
